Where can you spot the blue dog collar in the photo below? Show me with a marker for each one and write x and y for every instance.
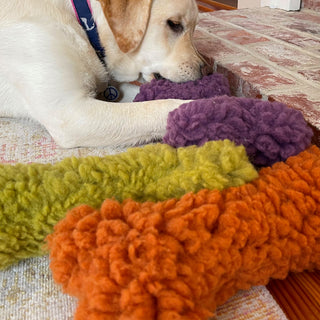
(83, 11)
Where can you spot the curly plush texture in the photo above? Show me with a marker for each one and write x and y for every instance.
(209, 86)
(34, 197)
(270, 131)
(181, 258)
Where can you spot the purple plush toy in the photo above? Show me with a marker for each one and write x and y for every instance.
(209, 86)
(270, 131)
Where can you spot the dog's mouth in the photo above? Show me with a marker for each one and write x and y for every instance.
(147, 77)
(158, 76)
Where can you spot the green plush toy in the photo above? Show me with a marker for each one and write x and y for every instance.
(34, 197)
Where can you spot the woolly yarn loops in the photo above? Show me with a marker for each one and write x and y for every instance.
(270, 131)
(212, 85)
(181, 258)
(34, 197)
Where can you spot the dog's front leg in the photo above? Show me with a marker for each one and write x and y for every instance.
(91, 122)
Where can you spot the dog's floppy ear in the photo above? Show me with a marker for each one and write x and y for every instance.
(128, 21)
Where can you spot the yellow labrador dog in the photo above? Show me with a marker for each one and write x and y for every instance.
(51, 69)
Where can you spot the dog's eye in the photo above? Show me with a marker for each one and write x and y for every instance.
(175, 26)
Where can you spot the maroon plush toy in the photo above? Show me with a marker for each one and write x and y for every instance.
(209, 86)
(271, 132)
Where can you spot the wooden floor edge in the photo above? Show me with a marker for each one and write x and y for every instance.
(298, 295)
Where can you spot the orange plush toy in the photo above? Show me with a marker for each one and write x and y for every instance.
(181, 258)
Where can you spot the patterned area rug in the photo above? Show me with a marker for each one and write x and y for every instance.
(27, 291)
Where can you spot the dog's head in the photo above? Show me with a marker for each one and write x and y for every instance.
(151, 37)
